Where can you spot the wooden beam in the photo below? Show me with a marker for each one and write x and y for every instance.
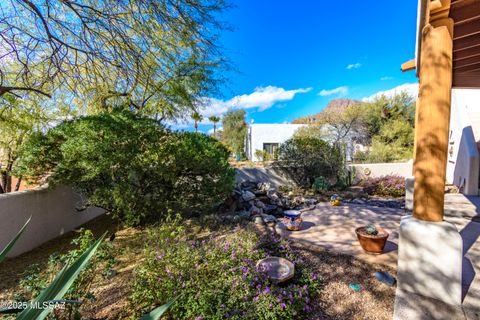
(433, 120)
(457, 64)
(467, 11)
(467, 29)
(467, 53)
(407, 66)
(466, 67)
(466, 80)
(465, 43)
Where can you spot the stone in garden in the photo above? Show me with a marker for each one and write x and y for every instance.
(244, 214)
(264, 186)
(260, 204)
(298, 200)
(273, 196)
(254, 210)
(248, 195)
(281, 229)
(250, 185)
(267, 218)
(258, 220)
(358, 201)
(270, 208)
(310, 201)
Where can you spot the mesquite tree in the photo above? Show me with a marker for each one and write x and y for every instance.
(157, 56)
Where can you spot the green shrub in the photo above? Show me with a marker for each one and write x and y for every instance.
(320, 184)
(131, 165)
(303, 159)
(216, 278)
(263, 155)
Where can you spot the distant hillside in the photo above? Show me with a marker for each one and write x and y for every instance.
(336, 105)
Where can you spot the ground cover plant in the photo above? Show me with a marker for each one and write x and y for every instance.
(216, 277)
(387, 186)
(131, 165)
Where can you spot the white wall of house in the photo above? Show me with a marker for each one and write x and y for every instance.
(463, 159)
(260, 134)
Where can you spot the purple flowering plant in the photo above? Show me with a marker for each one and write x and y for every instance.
(387, 186)
(216, 277)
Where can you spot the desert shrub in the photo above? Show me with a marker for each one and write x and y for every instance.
(37, 278)
(388, 186)
(303, 159)
(263, 155)
(320, 184)
(216, 278)
(131, 165)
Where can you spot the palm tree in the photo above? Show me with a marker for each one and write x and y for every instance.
(214, 120)
(197, 117)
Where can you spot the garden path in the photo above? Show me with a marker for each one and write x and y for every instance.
(334, 228)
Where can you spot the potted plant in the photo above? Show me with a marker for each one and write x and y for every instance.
(372, 239)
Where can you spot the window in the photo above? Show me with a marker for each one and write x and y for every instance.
(270, 148)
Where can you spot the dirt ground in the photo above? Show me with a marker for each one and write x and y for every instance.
(337, 300)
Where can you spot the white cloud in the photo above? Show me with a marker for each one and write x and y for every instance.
(340, 90)
(386, 78)
(354, 66)
(261, 98)
(218, 129)
(410, 88)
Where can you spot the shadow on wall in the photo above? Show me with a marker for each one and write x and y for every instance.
(467, 163)
(270, 175)
(53, 211)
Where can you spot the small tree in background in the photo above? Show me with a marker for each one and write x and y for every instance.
(196, 117)
(389, 124)
(234, 130)
(18, 120)
(214, 120)
(303, 159)
(340, 124)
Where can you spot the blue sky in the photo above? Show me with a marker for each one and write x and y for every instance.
(293, 57)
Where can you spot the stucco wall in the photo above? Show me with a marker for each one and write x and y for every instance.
(53, 213)
(403, 169)
(464, 160)
(258, 134)
(269, 175)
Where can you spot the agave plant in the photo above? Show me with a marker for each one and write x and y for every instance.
(62, 283)
(59, 286)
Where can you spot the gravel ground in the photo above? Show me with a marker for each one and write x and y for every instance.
(337, 301)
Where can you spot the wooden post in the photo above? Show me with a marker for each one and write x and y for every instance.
(433, 120)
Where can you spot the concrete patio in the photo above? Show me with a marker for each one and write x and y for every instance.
(334, 228)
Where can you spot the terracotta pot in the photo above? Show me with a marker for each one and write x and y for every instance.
(372, 244)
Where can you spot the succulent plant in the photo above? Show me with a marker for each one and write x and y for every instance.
(371, 230)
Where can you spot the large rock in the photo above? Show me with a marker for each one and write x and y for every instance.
(248, 195)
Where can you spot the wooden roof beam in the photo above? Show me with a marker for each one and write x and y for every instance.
(409, 65)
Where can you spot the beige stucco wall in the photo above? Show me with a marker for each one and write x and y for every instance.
(53, 213)
(403, 169)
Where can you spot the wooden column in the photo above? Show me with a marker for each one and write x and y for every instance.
(433, 120)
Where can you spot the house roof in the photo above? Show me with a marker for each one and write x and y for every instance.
(465, 15)
(466, 42)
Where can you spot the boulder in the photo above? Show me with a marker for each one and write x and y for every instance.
(244, 214)
(268, 218)
(248, 195)
(258, 220)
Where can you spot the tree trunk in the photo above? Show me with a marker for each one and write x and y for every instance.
(19, 182)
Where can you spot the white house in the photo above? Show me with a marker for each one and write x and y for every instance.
(267, 137)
